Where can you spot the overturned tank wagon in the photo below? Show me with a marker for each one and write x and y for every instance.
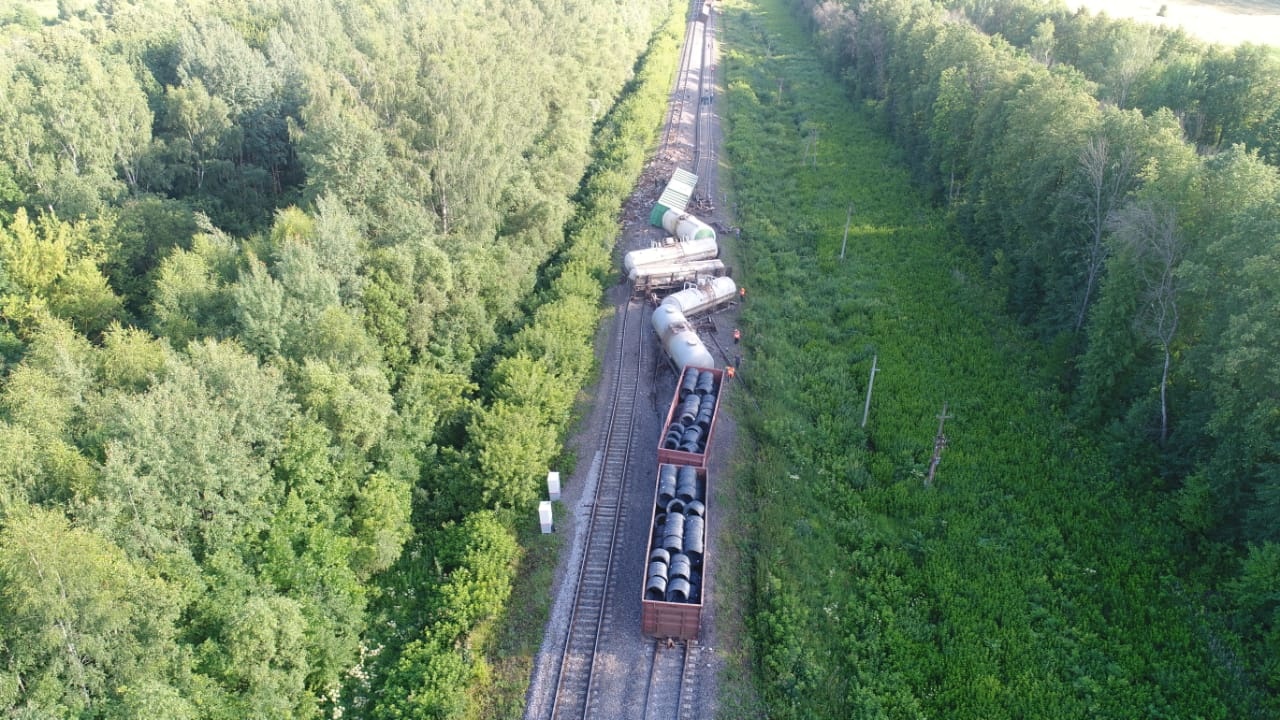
(690, 423)
(667, 276)
(704, 295)
(679, 339)
(685, 227)
(673, 590)
(669, 253)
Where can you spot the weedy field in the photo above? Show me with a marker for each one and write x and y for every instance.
(1019, 581)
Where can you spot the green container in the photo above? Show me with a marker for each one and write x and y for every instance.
(675, 197)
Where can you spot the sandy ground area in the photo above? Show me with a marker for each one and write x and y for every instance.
(1217, 21)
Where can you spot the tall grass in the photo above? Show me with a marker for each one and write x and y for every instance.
(1023, 583)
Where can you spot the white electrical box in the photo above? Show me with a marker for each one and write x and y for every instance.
(544, 516)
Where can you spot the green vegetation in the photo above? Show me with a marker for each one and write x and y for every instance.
(1223, 96)
(294, 307)
(1135, 245)
(1048, 571)
(482, 668)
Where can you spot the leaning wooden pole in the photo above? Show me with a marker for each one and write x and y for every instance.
(847, 219)
(866, 409)
(939, 442)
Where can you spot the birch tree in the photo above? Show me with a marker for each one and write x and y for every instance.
(1148, 229)
(1108, 172)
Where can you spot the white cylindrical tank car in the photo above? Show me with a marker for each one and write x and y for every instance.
(705, 295)
(678, 271)
(679, 339)
(675, 252)
(685, 227)
(664, 316)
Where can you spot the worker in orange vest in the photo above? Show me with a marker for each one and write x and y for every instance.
(737, 335)
(729, 371)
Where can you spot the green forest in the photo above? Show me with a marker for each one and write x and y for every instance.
(1063, 229)
(298, 303)
(295, 303)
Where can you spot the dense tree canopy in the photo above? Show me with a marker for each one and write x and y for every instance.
(272, 289)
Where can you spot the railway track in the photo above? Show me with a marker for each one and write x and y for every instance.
(672, 691)
(672, 688)
(588, 619)
(703, 141)
(582, 688)
(691, 100)
(675, 117)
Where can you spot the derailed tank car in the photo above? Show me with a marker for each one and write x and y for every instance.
(679, 339)
(704, 295)
(685, 227)
(670, 253)
(668, 276)
(691, 421)
(673, 591)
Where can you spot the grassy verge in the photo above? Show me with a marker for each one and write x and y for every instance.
(1021, 583)
(514, 641)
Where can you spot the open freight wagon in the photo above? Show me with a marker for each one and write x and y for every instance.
(673, 592)
(691, 421)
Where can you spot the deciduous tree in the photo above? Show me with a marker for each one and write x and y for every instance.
(81, 618)
(51, 267)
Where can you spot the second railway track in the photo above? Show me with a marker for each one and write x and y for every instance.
(672, 690)
(675, 114)
(589, 618)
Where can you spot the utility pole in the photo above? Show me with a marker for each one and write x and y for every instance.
(845, 241)
(867, 408)
(811, 148)
(939, 443)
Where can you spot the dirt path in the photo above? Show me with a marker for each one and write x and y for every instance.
(1229, 22)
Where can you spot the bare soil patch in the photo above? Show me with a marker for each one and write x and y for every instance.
(1229, 22)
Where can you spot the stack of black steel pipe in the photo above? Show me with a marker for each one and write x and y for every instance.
(688, 431)
(676, 548)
